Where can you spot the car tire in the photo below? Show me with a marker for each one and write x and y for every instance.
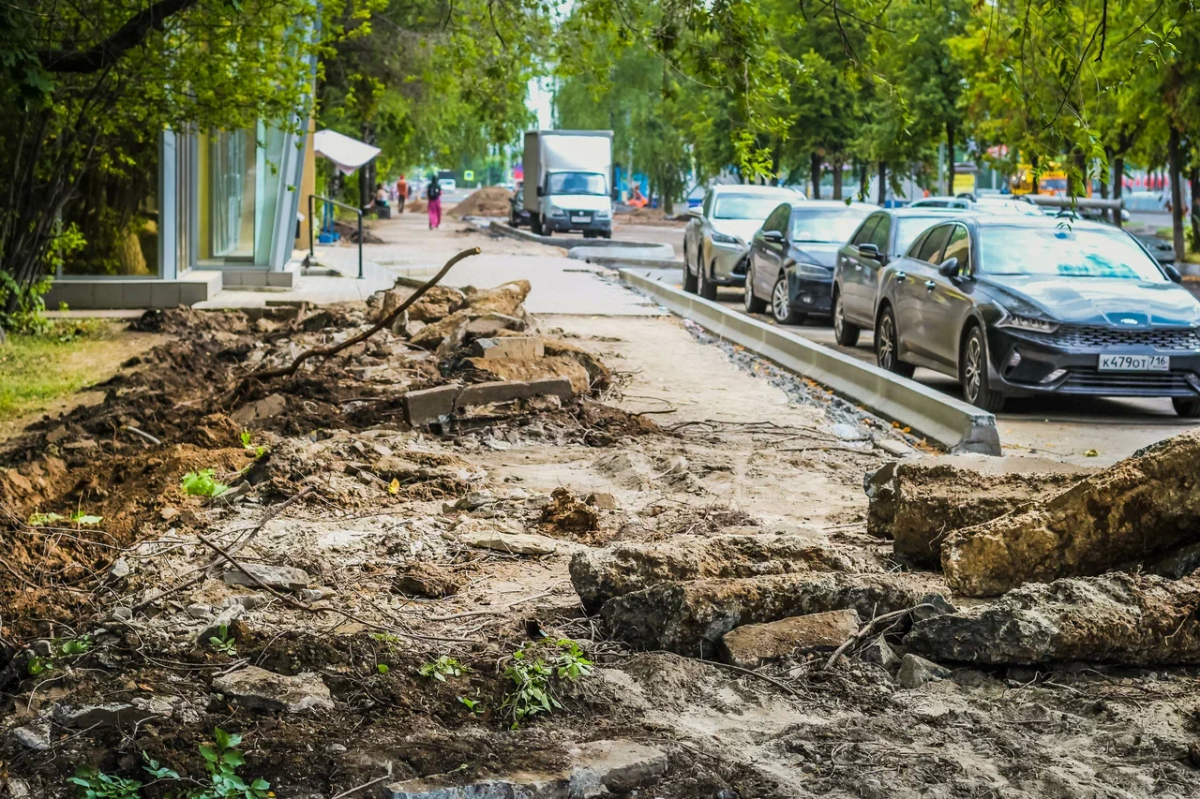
(546, 229)
(844, 332)
(751, 302)
(608, 234)
(887, 338)
(706, 290)
(973, 372)
(1186, 408)
(535, 224)
(781, 304)
(689, 279)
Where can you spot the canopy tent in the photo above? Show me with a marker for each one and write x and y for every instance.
(346, 153)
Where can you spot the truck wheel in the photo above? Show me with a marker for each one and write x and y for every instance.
(535, 224)
(607, 234)
(546, 229)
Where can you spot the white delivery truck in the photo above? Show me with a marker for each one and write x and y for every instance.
(568, 181)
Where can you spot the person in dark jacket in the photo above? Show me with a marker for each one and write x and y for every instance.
(434, 195)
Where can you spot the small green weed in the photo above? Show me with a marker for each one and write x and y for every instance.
(248, 443)
(223, 642)
(221, 759)
(532, 678)
(202, 484)
(442, 668)
(48, 519)
(382, 668)
(475, 705)
(60, 650)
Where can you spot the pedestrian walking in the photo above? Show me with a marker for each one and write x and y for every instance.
(434, 195)
(401, 194)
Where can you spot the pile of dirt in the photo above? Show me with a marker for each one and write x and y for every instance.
(487, 201)
(349, 232)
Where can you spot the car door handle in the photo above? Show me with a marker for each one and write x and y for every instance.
(931, 285)
(902, 275)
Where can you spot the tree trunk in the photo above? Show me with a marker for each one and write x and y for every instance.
(863, 188)
(837, 178)
(1174, 158)
(950, 157)
(1033, 162)
(814, 173)
(1195, 217)
(1108, 153)
(882, 182)
(1118, 168)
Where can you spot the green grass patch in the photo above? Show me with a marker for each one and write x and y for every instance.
(36, 369)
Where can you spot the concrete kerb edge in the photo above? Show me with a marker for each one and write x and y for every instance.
(504, 229)
(950, 422)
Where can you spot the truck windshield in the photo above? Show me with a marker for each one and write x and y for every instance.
(577, 183)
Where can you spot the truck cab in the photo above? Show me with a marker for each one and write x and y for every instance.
(573, 188)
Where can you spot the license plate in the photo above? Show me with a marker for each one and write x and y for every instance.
(581, 219)
(1135, 363)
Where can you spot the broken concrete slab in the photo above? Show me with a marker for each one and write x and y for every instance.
(751, 645)
(601, 574)
(266, 690)
(916, 671)
(521, 348)
(281, 578)
(516, 543)
(113, 714)
(509, 390)
(917, 503)
(1136, 509)
(1116, 618)
(35, 737)
(689, 618)
(492, 324)
(265, 408)
(618, 766)
(520, 785)
(431, 405)
(878, 652)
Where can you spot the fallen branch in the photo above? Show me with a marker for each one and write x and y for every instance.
(130, 428)
(866, 630)
(325, 352)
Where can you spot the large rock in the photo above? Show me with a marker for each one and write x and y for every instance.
(281, 578)
(266, 690)
(514, 543)
(601, 574)
(918, 503)
(1138, 508)
(689, 618)
(916, 671)
(1117, 618)
(751, 645)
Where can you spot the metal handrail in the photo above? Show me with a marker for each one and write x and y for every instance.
(312, 239)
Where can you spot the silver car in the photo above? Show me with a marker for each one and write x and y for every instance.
(717, 237)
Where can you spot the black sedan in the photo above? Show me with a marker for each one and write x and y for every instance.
(884, 235)
(791, 258)
(1022, 307)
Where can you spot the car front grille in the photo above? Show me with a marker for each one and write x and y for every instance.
(1130, 384)
(1095, 337)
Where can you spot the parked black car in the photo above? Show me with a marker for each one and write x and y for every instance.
(792, 255)
(886, 234)
(517, 215)
(1022, 307)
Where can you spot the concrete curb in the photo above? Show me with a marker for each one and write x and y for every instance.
(503, 229)
(954, 424)
(617, 262)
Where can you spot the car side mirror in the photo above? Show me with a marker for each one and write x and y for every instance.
(1173, 273)
(540, 191)
(772, 235)
(949, 268)
(869, 250)
(695, 213)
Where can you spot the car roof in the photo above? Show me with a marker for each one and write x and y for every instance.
(808, 205)
(1040, 222)
(939, 197)
(926, 212)
(743, 188)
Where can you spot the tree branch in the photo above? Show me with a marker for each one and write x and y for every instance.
(109, 51)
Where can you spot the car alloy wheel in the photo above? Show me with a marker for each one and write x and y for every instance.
(972, 365)
(845, 333)
(781, 305)
(972, 373)
(753, 304)
(887, 353)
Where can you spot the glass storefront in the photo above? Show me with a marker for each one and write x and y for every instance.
(241, 179)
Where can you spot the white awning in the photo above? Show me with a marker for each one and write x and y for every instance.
(346, 153)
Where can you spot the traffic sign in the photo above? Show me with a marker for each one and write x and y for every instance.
(468, 174)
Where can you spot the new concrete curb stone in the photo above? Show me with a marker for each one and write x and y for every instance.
(434, 405)
(956, 425)
(566, 243)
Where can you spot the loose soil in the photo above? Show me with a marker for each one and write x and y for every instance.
(487, 201)
(685, 441)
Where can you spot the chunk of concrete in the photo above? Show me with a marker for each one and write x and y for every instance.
(916, 671)
(751, 645)
(265, 408)
(601, 574)
(521, 348)
(689, 618)
(35, 737)
(520, 785)
(516, 543)
(113, 714)
(618, 766)
(1117, 618)
(431, 405)
(879, 653)
(1137, 509)
(508, 390)
(266, 690)
(491, 324)
(281, 578)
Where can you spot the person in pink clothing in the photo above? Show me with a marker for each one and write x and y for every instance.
(434, 195)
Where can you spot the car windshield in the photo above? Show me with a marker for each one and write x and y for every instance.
(746, 206)
(1014, 207)
(834, 225)
(1064, 252)
(578, 183)
(910, 227)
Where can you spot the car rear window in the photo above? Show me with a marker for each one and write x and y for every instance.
(832, 225)
(746, 206)
(1065, 252)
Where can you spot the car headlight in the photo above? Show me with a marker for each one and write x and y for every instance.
(603, 213)
(1028, 323)
(721, 238)
(811, 270)
(556, 211)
